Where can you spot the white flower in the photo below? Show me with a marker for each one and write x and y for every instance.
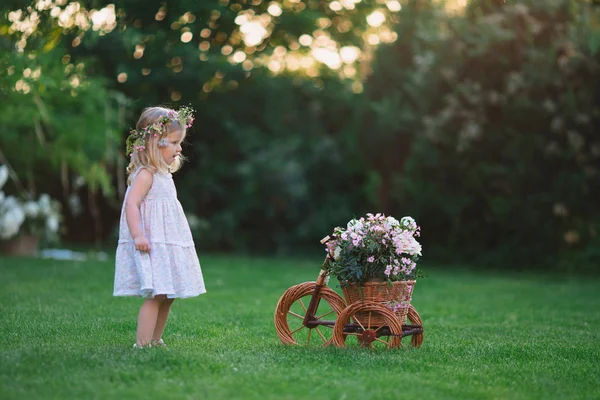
(11, 222)
(31, 209)
(10, 203)
(414, 247)
(52, 223)
(74, 203)
(407, 221)
(3, 175)
(79, 182)
(336, 253)
(391, 222)
(354, 226)
(45, 204)
(193, 221)
(14, 213)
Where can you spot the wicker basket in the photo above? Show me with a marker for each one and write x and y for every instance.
(399, 293)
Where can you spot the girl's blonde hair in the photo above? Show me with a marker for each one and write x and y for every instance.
(150, 156)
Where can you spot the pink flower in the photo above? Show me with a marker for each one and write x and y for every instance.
(388, 270)
(331, 246)
(371, 259)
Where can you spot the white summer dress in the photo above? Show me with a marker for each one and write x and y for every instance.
(171, 267)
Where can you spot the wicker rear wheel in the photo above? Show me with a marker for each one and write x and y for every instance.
(291, 310)
(369, 332)
(413, 318)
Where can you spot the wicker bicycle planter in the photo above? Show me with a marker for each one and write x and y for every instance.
(398, 293)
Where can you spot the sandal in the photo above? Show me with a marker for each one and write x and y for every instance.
(136, 347)
(158, 343)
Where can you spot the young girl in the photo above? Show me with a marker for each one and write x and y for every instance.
(156, 257)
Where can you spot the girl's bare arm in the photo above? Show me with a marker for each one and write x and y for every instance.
(139, 188)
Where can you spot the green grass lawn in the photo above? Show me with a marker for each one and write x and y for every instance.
(487, 336)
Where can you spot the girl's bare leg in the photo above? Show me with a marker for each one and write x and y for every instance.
(161, 320)
(147, 318)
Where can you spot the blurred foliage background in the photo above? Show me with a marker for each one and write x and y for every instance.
(479, 118)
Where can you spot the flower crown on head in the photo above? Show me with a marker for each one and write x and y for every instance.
(136, 141)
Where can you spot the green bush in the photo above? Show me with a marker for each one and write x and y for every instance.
(274, 176)
(504, 165)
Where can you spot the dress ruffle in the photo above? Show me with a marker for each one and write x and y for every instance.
(168, 269)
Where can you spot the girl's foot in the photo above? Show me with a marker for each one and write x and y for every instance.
(158, 343)
(136, 347)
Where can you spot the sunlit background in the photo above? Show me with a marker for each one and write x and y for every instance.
(477, 117)
(248, 43)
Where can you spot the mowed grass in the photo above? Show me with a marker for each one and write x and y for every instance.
(487, 336)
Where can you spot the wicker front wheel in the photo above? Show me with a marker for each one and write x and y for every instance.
(291, 310)
(368, 334)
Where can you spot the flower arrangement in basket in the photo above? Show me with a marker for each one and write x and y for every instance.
(375, 259)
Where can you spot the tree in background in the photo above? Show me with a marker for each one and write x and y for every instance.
(506, 168)
(60, 122)
(477, 117)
